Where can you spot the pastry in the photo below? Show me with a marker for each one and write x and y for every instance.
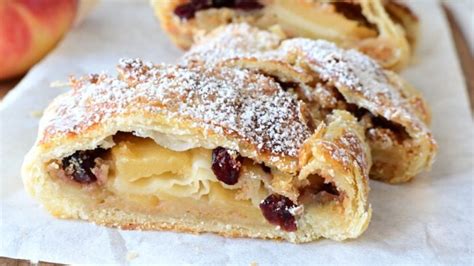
(385, 30)
(327, 78)
(197, 149)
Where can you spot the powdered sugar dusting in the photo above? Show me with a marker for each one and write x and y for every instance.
(249, 106)
(349, 152)
(232, 41)
(359, 78)
(368, 85)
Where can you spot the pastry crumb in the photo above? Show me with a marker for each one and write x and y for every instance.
(36, 113)
(132, 255)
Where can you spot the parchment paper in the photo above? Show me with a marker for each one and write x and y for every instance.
(429, 220)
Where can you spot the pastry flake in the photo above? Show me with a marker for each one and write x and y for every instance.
(198, 149)
(385, 30)
(326, 77)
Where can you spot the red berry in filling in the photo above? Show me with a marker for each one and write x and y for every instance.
(351, 11)
(79, 165)
(200, 4)
(247, 4)
(223, 3)
(276, 209)
(188, 11)
(226, 166)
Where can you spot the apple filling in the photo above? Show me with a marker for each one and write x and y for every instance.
(338, 21)
(138, 169)
(143, 168)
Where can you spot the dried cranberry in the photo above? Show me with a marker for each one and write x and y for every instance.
(239, 4)
(201, 4)
(186, 11)
(223, 3)
(226, 166)
(276, 209)
(351, 11)
(80, 164)
(247, 4)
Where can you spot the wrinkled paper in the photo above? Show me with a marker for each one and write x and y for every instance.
(429, 220)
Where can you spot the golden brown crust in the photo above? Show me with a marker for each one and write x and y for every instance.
(337, 152)
(216, 104)
(98, 107)
(319, 66)
(385, 31)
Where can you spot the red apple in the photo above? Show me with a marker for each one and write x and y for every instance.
(29, 29)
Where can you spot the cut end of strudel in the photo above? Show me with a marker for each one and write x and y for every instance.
(385, 30)
(394, 115)
(198, 149)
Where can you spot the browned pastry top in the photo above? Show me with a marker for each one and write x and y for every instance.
(359, 78)
(248, 106)
(367, 83)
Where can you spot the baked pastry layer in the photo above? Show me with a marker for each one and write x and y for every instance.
(385, 30)
(395, 116)
(199, 149)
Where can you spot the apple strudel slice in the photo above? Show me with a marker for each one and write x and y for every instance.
(395, 116)
(196, 149)
(385, 30)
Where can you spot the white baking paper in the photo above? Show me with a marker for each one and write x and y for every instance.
(429, 220)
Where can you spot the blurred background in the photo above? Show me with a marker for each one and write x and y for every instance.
(30, 29)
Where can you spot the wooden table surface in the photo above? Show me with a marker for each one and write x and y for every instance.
(465, 57)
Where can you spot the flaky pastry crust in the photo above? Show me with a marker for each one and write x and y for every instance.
(385, 30)
(327, 77)
(207, 107)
